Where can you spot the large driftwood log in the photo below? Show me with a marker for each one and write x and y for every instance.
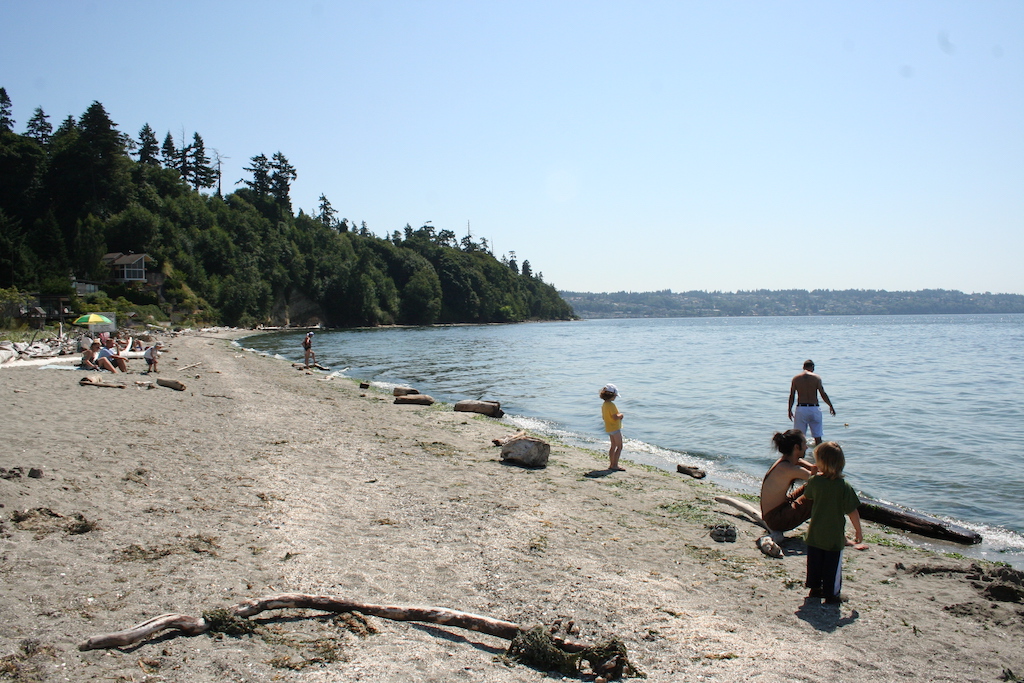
(171, 383)
(403, 391)
(489, 408)
(192, 626)
(917, 522)
(889, 515)
(415, 399)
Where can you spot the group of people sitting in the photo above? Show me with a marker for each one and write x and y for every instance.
(108, 354)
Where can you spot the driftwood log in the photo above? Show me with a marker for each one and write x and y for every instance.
(889, 515)
(917, 522)
(193, 626)
(97, 381)
(489, 408)
(183, 369)
(415, 399)
(695, 472)
(171, 383)
(403, 391)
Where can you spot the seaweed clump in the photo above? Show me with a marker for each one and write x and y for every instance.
(535, 647)
(227, 622)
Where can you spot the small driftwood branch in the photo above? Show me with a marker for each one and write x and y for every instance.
(192, 626)
(96, 381)
(183, 369)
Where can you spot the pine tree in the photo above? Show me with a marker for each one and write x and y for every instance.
(149, 148)
(281, 177)
(260, 169)
(169, 152)
(6, 122)
(327, 212)
(39, 127)
(201, 173)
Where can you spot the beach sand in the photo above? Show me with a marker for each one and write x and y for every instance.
(261, 479)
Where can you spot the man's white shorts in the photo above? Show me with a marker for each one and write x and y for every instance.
(808, 420)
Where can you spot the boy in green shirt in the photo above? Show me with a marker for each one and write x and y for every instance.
(833, 498)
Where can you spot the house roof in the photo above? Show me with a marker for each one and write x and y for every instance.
(119, 259)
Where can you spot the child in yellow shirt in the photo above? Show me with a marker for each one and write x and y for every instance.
(612, 425)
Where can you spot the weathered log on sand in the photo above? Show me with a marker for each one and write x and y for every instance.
(192, 626)
(489, 408)
(917, 522)
(746, 508)
(415, 399)
(171, 383)
(889, 515)
(97, 381)
(321, 367)
(183, 369)
(403, 391)
(695, 472)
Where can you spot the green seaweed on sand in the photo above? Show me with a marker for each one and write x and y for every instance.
(535, 647)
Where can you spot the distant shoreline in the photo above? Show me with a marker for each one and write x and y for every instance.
(791, 303)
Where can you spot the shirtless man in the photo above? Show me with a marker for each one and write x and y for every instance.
(806, 387)
(779, 508)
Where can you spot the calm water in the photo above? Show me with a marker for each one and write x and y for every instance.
(929, 408)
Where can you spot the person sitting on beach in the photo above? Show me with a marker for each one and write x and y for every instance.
(110, 353)
(91, 359)
(779, 507)
(152, 356)
(612, 425)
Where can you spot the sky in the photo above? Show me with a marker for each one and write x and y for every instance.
(617, 146)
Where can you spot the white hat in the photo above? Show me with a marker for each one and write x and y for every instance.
(309, 334)
(611, 387)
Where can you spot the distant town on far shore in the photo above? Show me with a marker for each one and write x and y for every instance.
(763, 302)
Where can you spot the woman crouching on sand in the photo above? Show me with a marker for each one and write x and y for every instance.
(779, 507)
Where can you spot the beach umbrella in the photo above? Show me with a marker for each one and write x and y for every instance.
(91, 319)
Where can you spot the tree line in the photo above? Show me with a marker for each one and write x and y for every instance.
(72, 194)
(669, 304)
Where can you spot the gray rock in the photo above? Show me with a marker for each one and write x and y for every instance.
(527, 451)
(35, 472)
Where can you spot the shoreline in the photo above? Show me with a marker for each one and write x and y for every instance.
(738, 482)
(260, 479)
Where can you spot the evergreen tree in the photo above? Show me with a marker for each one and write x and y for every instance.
(281, 177)
(260, 169)
(169, 152)
(39, 127)
(327, 212)
(527, 269)
(201, 174)
(149, 148)
(6, 122)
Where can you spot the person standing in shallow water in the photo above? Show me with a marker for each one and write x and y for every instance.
(805, 388)
(612, 425)
(307, 348)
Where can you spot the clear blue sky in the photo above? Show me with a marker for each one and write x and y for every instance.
(615, 145)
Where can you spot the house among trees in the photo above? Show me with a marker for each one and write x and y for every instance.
(126, 267)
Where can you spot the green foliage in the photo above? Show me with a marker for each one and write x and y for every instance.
(68, 198)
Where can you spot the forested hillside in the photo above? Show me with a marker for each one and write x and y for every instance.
(70, 195)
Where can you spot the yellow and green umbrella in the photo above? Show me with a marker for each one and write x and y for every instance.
(91, 319)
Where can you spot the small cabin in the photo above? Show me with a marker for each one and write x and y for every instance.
(126, 267)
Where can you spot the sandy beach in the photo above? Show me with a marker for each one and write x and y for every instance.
(261, 479)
